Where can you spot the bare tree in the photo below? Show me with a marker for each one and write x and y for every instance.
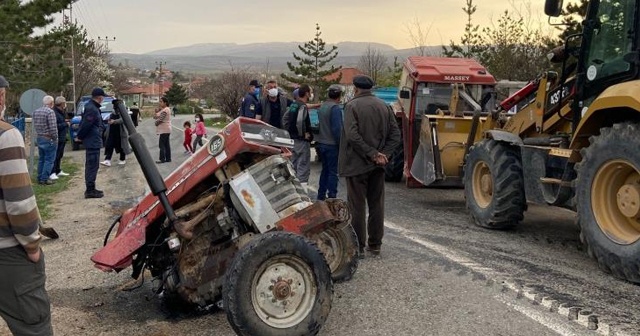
(418, 36)
(373, 63)
(228, 90)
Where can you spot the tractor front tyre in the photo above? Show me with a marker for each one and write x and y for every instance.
(394, 170)
(494, 185)
(608, 200)
(279, 284)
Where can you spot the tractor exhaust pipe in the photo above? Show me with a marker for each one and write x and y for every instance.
(148, 166)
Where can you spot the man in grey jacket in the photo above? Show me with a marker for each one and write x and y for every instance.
(369, 136)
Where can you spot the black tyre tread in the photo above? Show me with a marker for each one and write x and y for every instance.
(349, 265)
(260, 247)
(394, 170)
(626, 268)
(509, 202)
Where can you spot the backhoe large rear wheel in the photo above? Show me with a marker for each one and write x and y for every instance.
(278, 285)
(608, 200)
(494, 185)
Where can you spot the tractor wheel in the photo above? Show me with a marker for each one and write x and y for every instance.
(394, 170)
(278, 284)
(75, 146)
(608, 200)
(494, 185)
(339, 245)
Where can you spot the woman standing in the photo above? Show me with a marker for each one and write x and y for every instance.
(200, 132)
(163, 129)
(117, 136)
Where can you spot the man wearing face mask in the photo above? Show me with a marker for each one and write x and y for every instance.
(273, 107)
(298, 123)
(250, 103)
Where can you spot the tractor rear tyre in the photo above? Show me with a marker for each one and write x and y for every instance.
(339, 245)
(608, 200)
(494, 185)
(394, 170)
(279, 284)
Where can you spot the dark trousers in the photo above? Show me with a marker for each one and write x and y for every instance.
(91, 165)
(165, 147)
(59, 155)
(367, 191)
(24, 303)
(108, 152)
(329, 176)
(197, 141)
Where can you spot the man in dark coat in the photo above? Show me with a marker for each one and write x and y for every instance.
(135, 114)
(63, 128)
(90, 133)
(369, 136)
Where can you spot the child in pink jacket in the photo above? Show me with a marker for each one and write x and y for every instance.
(199, 131)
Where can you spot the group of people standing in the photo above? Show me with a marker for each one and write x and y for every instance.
(354, 142)
(51, 128)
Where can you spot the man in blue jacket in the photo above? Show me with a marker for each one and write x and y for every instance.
(251, 102)
(90, 133)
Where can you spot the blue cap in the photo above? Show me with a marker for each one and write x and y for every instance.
(98, 92)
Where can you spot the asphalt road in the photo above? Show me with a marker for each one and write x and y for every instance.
(438, 274)
(442, 275)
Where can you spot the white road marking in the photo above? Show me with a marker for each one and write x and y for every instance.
(490, 273)
(542, 318)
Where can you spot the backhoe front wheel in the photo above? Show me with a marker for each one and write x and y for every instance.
(608, 200)
(278, 285)
(494, 184)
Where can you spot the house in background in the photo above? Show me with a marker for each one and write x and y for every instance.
(346, 80)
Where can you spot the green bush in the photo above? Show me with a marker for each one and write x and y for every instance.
(189, 108)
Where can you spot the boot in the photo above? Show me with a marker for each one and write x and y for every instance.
(93, 194)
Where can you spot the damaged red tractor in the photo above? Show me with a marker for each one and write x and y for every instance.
(233, 225)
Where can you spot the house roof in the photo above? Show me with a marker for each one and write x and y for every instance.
(448, 70)
(347, 75)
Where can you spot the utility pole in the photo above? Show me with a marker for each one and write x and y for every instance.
(106, 40)
(68, 21)
(159, 65)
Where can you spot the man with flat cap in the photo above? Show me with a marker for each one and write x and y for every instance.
(90, 133)
(369, 136)
(24, 303)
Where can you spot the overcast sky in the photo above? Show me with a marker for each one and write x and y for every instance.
(145, 25)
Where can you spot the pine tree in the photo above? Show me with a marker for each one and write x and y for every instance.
(176, 94)
(28, 59)
(470, 42)
(572, 18)
(312, 65)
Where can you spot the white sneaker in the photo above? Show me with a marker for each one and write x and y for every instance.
(122, 162)
(106, 163)
(53, 176)
(61, 173)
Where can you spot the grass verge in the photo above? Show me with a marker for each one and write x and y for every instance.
(46, 193)
(216, 123)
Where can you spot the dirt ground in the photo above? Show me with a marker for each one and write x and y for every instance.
(86, 301)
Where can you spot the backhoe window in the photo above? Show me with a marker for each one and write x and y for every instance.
(611, 39)
(433, 96)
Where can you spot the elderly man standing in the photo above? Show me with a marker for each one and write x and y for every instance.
(24, 303)
(274, 105)
(61, 122)
(44, 122)
(369, 136)
(90, 133)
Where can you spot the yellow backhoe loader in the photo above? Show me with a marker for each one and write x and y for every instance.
(575, 144)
